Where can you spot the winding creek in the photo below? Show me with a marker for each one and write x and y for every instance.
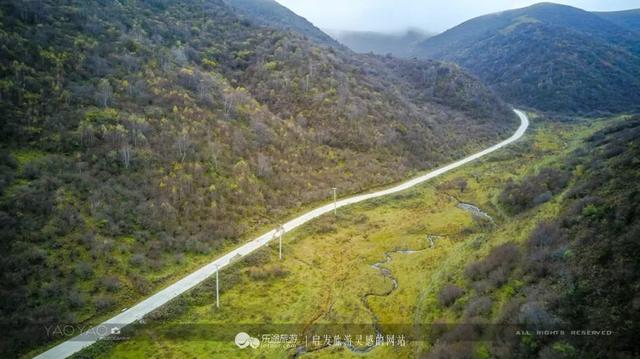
(385, 272)
(473, 210)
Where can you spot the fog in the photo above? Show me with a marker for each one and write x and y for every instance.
(429, 15)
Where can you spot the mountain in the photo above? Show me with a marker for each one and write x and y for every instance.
(551, 57)
(397, 44)
(629, 19)
(141, 138)
(270, 13)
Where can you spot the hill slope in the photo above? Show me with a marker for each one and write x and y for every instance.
(629, 19)
(548, 56)
(270, 13)
(140, 138)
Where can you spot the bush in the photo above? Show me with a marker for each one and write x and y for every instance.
(546, 234)
(546, 243)
(111, 283)
(479, 306)
(535, 315)
(137, 260)
(141, 284)
(533, 190)
(449, 294)
(258, 258)
(266, 272)
(104, 303)
(83, 270)
(502, 259)
(76, 299)
(459, 184)
(172, 309)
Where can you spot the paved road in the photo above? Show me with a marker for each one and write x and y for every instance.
(138, 311)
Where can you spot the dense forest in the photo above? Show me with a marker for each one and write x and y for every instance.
(577, 271)
(549, 57)
(137, 136)
(270, 13)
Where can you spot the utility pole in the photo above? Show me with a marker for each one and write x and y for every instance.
(281, 232)
(217, 287)
(335, 201)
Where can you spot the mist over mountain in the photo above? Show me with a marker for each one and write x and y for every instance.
(398, 44)
(547, 56)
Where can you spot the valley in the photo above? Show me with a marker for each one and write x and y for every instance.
(320, 293)
(222, 178)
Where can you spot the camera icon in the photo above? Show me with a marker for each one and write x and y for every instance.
(244, 340)
(115, 331)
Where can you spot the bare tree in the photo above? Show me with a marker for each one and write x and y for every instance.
(264, 166)
(182, 144)
(125, 154)
(104, 92)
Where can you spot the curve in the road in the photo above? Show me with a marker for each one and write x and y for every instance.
(141, 309)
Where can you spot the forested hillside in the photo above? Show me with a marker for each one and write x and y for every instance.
(270, 13)
(547, 56)
(629, 19)
(577, 271)
(138, 138)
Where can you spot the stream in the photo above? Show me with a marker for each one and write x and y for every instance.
(474, 210)
(364, 298)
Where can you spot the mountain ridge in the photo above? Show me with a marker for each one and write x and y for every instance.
(271, 13)
(625, 18)
(558, 58)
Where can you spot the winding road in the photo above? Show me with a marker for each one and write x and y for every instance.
(137, 312)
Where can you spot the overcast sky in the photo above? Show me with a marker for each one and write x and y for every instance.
(430, 15)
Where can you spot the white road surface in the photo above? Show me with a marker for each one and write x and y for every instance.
(137, 312)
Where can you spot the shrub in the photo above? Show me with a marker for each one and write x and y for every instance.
(104, 303)
(546, 234)
(170, 310)
(76, 299)
(137, 260)
(266, 272)
(501, 259)
(542, 198)
(498, 277)
(141, 284)
(449, 294)
(535, 315)
(478, 306)
(111, 283)
(546, 242)
(533, 190)
(83, 270)
(258, 258)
